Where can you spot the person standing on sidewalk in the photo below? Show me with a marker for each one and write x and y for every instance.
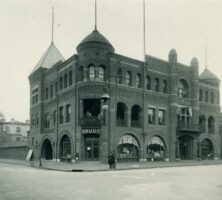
(111, 160)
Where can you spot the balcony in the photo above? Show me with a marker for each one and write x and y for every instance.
(136, 124)
(121, 122)
(188, 128)
(92, 121)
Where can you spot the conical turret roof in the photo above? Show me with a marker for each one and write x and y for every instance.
(95, 37)
(49, 58)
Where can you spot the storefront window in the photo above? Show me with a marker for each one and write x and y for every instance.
(128, 148)
(156, 149)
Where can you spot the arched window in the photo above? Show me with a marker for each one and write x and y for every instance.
(121, 114)
(201, 95)
(165, 86)
(211, 125)
(128, 148)
(65, 81)
(80, 77)
(128, 78)
(138, 81)
(70, 78)
(91, 72)
(212, 97)
(101, 73)
(202, 123)
(136, 116)
(206, 96)
(119, 76)
(157, 85)
(61, 83)
(207, 149)
(183, 89)
(148, 84)
(65, 147)
(156, 149)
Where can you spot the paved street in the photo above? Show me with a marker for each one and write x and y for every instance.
(180, 183)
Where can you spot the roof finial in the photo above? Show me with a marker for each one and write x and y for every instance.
(52, 24)
(144, 30)
(95, 14)
(206, 53)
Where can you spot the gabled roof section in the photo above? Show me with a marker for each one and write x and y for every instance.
(49, 58)
(208, 75)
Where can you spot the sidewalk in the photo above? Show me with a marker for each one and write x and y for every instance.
(97, 166)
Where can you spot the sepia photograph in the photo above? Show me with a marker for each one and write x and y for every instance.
(110, 99)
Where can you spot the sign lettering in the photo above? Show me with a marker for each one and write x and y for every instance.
(91, 131)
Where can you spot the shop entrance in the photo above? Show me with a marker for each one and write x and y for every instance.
(92, 148)
(186, 147)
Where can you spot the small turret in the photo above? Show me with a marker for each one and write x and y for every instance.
(194, 62)
(172, 57)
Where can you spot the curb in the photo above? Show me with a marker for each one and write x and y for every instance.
(111, 170)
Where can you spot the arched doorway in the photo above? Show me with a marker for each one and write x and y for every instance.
(46, 150)
(207, 149)
(186, 147)
(65, 148)
(156, 149)
(128, 148)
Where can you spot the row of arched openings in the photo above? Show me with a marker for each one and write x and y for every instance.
(92, 73)
(207, 124)
(64, 148)
(128, 148)
(155, 85)
(121, 115)
(206, 96)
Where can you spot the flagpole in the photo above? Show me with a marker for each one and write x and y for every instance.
(52, 24)
(144, 80)
(95, 14)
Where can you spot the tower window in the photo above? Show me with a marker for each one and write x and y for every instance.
(91, 72)
(101, 73)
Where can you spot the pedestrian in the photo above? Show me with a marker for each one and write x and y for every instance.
(111, 160)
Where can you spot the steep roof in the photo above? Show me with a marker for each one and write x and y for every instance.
(49, 58)
(95, 37)
(208, 75)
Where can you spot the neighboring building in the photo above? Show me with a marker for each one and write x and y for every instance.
(157, 109)
(13, 132)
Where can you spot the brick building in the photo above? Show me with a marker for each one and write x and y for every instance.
(99, 101)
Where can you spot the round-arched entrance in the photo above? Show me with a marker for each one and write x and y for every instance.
(65, 148)
(156, 149)
(207, 149)
(186, 147)
(128, 148)
(46, 150)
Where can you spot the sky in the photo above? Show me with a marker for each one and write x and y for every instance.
(25, 34)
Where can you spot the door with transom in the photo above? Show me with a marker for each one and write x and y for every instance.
(92, 148)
